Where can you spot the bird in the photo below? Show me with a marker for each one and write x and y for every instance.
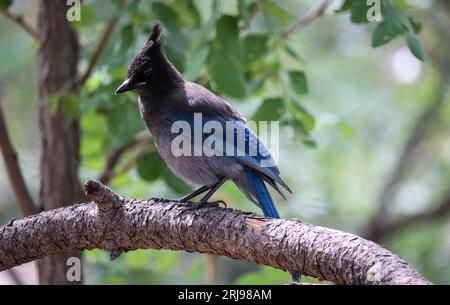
(165, 98)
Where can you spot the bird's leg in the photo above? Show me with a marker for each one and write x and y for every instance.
(212, 189)
(211, 192)
(184, 198)
(194, 193)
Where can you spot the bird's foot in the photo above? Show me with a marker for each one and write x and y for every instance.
(215, 204)
(206, 204)
(161, 200)
(199, 205)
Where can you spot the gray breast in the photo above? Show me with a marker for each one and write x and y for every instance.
(197, 170)
(192, 169)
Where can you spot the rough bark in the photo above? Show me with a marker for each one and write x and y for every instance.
(119, 224)
(59, 135)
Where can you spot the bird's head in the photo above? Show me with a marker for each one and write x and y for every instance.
(150, 69)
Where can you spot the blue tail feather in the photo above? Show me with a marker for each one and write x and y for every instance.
(259, 190)
(261, 193)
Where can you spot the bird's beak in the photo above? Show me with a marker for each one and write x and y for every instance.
(126, 86)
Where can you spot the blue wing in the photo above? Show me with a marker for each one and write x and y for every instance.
(262, 160)
(245, 146)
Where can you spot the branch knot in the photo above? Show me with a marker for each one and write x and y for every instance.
(101, 195)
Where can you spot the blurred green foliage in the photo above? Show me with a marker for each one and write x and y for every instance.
(322, 84)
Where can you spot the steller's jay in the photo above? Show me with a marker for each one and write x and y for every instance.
(165, 98)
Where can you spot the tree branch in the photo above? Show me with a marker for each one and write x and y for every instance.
(18, 19)
(381, 221)
(114, 157)
(391, 226)
(119, 224)
(101, 46)
(13, 170)
(305, 21)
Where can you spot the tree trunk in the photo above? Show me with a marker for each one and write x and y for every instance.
(59, 135)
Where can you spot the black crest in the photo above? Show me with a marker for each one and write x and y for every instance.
(154, 40)
(150, 54)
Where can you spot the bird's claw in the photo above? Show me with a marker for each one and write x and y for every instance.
(206, 204)
(215, 204)
(201, 204)
(160, 200)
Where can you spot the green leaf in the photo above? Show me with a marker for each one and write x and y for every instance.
(88, 17)
(196, 63)
(124, 122)
(166, 15)
(200, 48)
(149, 166)
(358, 12)
(298, 82)
(415, 46)
(93, 82)
(126, 37)
(227, 75)
(258, 84)
(392, 26)
(138, 18)
(230, 7)
(309, 142)
(175, 55)
(271, 109)
(5, 4)
(274, 10)
(255, 46)
(293, 53)
(174, 182)
(228, 36)
(177, 42)
(119, 73)
(345, 6)
(187, 13)
(385, 32)
(70, 105)
(303, 120)
(246, 9)
(415, 24)
(402, 5)
(94, 141)
(101, 98)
